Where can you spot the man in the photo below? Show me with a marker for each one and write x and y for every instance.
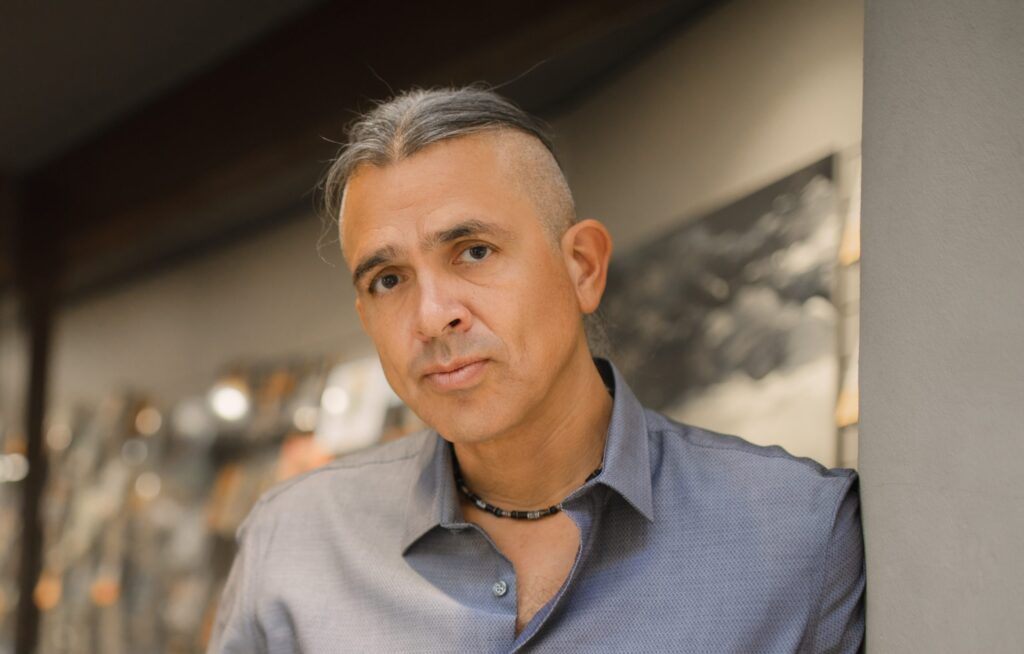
(546, 509)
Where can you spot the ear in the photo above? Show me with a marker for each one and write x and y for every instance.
(587, 249)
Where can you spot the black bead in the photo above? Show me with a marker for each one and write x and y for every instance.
(498, 511)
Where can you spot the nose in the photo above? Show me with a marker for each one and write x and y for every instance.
(440, 310)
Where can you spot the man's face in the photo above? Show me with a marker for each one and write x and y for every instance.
(468, 301)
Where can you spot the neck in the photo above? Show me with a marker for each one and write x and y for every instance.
(545, 459)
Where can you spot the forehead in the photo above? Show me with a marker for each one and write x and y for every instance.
(465, 178)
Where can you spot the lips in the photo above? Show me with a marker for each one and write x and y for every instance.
(456, 375)
(449, 367)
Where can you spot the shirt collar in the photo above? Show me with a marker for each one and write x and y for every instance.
(626, 466)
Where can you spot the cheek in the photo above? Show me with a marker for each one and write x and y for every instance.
(552, 290)
(394, 380)
(544, 311)
(385, 337)
(384, 321)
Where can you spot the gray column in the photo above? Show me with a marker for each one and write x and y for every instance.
(942, 338)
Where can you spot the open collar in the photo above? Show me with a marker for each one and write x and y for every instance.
(626, 466)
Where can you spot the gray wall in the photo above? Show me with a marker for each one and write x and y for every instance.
(740, 99)
(942, 316)
(263, 300)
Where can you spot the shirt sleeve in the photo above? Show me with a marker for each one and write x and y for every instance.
(235, 630)
(837, 619)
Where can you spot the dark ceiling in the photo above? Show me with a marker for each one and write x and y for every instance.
(71, 68)
(132, 138)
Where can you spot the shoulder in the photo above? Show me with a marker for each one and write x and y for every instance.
(731, 469)
(379, 474)
(784, 517)
(709, 444)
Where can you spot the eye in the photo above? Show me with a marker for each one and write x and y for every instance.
(476, 253)
(384, 283)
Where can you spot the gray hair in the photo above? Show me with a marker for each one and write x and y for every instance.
(415, 119)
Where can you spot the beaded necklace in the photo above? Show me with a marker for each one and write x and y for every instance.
(505, 513)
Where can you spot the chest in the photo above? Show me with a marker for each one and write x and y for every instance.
(636, 589)
(541, 552)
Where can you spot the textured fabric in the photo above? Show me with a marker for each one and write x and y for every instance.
(691, 541)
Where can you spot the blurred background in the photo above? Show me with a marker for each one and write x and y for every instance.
(177, 330)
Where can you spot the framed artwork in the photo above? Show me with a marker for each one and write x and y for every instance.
(727, 321)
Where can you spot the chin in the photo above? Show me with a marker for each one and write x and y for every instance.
(465, 425)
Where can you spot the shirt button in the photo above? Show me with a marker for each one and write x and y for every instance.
(499, 588)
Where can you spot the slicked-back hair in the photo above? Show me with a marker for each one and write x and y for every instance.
(411, 121)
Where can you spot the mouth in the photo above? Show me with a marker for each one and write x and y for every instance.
(457, 375)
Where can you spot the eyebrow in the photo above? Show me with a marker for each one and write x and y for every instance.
(378, 257)
(387, 253)
(471, 227)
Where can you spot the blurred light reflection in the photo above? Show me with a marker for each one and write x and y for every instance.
(148, 421)
(147, 485)
(230, 401)
(13, 467)
(58, 437)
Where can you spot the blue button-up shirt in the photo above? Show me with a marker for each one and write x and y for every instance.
(690, 541)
